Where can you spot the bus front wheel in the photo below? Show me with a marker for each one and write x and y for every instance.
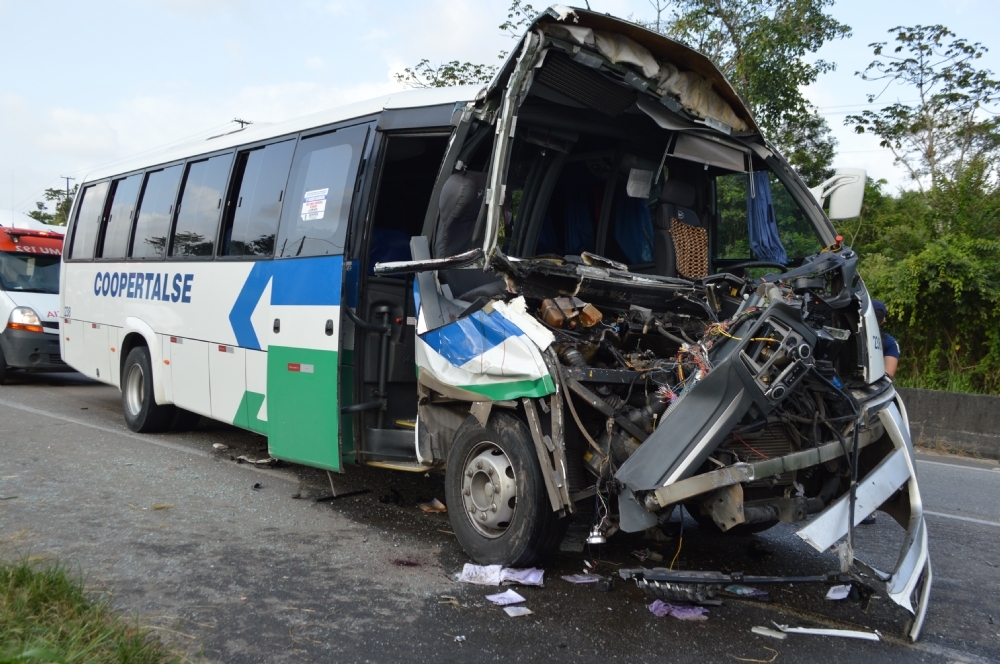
(497, 501)
(142, 414)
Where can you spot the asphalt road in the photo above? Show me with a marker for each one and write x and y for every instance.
(234, 573)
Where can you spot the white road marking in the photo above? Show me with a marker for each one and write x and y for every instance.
(955, 465)
(963, 518)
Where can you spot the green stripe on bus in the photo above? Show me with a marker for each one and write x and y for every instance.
(515, 389)
(246, 414)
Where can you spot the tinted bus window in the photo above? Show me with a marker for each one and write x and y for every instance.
(118, 223)
(314, 222)
(252, 215)
(88, 221)
(201, 202)
(155, 209)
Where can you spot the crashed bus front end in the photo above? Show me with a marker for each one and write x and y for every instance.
(629, 294)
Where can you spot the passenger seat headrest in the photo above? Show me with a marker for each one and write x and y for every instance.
(678, 192)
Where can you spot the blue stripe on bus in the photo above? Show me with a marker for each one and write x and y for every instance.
(296, 282)
(470, 337)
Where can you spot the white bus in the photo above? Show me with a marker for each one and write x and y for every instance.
(591, 281)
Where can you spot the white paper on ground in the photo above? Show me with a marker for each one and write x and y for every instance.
(515, 611)
(838, 592)
(531, 576)
(482, 575)
(506, 598)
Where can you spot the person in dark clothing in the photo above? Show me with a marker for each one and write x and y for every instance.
(890, 349)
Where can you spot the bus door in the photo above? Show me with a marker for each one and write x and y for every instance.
(305, 283)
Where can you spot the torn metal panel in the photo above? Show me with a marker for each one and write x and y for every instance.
(876, 487)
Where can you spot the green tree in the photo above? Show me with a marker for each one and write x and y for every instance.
(63, 202)
(448, 74)
(952, 122)
(762, 47)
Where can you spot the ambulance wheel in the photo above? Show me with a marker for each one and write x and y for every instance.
(142, 414)
(3, 368)
(497, 500)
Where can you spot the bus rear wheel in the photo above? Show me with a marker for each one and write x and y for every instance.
(142, 414)
(497, 501)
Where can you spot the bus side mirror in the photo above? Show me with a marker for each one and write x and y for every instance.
(846, 190)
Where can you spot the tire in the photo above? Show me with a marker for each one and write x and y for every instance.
(500, 459)
(142, 414)
(3, 368)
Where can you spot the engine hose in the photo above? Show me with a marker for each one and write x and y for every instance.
(576, 418)
(573, 357)
(675, 339)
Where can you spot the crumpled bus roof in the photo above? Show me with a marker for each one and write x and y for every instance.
(661, 47)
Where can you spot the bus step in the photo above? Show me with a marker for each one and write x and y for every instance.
(390, 445)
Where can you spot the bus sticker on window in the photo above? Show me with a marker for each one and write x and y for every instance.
(314, 204)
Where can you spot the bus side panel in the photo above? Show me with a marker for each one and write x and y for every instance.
(227, 371)
(72, 342)
(190, 374)
(253, 399)
(96, 351)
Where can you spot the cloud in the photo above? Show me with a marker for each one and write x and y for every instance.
(315, 63)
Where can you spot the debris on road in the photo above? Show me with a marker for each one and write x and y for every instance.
(448, 599)
(838, 592)
(495, 575)
(516, 611)
(394, 496)
(660, 609)
(220, 446)
(257, 486)
(506, 598)
(266, 461)
(774, 656)
(346, 494)
(747, 591)
(460, 638)
(646, 554)
(435, 506)
(582, 578)
(816, 631)
(767, 631)
(480, 575)
(530, 576)
(161, 506)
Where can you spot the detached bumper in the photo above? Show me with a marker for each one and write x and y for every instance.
(31, 350)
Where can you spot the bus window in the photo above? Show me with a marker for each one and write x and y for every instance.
(155, 207)
(118, 217)
(314, 223)
(88, 221)
(255, 196)
(796, 233)
(201, 201)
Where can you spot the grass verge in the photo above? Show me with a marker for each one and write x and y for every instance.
(46, 616)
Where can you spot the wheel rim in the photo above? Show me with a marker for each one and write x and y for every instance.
(135, 389)
(489, 489)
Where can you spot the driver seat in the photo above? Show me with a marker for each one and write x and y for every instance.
(680, 241)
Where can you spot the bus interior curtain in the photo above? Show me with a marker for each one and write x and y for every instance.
(762, 224)
(634, 229)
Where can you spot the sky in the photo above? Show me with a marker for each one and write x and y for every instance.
(84, 84)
